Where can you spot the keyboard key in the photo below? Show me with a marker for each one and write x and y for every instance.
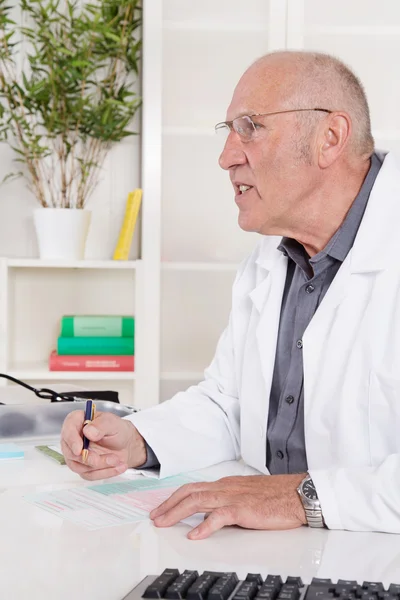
(319, 591)
(246, 591)
(159, 586)
(344, 589)
(364, 594)
(254, 577)
(373, 586)
(394, 589)
(223, 587)
(200, 588)
(295, 581)
(269, 591)
(178, 590)
(289, 592)
(274, 580)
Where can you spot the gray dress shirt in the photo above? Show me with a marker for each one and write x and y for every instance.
(307, 282)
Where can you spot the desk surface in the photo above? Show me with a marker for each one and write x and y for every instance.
(43, 557)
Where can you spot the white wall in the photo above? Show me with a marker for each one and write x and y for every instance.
(366, 35)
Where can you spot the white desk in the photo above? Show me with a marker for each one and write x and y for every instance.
(43, 557)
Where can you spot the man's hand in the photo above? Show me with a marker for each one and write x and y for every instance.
(115, 445)
(253, 502)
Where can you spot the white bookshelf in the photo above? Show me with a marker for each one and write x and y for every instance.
(37, 263)
(29, 330)
(40, 372)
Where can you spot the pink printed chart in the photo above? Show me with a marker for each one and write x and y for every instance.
(108, 504)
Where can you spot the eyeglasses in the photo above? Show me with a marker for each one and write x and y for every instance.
(245, 127)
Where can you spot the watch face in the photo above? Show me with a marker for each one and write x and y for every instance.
(309, 490)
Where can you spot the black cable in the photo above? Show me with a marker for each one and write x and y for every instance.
(45, 393)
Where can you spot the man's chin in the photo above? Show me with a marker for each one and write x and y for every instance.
(247, 224)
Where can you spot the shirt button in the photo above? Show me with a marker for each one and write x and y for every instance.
(280, 454)
(309, 289)
(299, 344)
(290, 399)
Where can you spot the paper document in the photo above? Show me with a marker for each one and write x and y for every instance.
(107, 504)
(8, 451)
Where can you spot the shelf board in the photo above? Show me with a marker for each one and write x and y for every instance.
(37, 263)
(209, 26)
(352, 30)
(195, 376)
(40, 372)
(198, 266)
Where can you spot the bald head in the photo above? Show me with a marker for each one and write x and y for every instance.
(313, 79)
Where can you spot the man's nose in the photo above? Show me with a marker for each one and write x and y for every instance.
(232, 154)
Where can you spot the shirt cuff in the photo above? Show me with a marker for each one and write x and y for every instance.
(151, 459)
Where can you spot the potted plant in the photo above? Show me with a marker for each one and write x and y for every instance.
(67, 79)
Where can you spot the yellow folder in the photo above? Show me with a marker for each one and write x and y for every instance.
(124, 242)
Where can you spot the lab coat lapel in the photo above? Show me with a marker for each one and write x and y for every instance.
(260, 352)
(371, 252)
(267, 299)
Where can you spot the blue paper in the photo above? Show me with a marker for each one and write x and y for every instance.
(10, 451)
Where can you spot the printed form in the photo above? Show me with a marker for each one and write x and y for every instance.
(108, 504)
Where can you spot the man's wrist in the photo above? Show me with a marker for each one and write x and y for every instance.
(137, 454)
(298, 507)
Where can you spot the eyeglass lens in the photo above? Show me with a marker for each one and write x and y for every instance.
(242, 125)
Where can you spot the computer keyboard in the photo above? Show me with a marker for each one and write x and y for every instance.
(212, 585)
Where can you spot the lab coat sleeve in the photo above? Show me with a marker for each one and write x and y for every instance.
(361, 498)
(199, 427)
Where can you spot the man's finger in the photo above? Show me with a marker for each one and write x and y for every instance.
(95, 459)
(177, 497)
(204, 501)
(86, 472)
(71, 432)
(93, 475)
(219, 518)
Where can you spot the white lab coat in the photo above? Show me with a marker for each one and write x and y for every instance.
(351, 357)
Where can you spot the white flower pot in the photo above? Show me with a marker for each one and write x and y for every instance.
(61, 232)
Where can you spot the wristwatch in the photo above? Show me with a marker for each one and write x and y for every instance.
(312, 506)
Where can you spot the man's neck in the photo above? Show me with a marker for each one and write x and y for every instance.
(326, 212)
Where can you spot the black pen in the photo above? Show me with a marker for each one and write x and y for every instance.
(89, 416)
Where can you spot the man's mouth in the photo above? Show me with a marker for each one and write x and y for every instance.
(243, 188)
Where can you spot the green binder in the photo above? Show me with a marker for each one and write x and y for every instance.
(95, 345)
(97, 326)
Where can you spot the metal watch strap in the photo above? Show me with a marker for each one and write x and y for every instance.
(314, 517)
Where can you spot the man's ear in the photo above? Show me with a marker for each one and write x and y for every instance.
(335, 135)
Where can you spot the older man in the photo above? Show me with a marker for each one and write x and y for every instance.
(305, 382)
